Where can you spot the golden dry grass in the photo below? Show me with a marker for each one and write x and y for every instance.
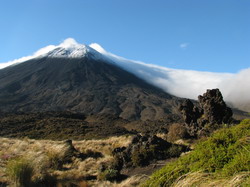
(129, 182)
(38, 151)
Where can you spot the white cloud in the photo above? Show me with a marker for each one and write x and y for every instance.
(69, 42)
(184, 45)
(97, 47)
(183, 83)
(23, 59)
(235, 87)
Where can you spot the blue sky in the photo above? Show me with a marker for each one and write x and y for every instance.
(207, 35)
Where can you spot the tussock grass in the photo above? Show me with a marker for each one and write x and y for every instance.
(20, 170)
(46, 157)
(215, 160)
(133, 181)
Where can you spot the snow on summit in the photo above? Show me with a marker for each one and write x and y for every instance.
(69, 48)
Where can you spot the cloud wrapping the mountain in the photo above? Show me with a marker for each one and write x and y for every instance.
(236, 90)
(187, 83)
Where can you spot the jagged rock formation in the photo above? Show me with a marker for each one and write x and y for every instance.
(214, 108)
(211, 110)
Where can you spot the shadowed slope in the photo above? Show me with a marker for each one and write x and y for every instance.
(81, 85)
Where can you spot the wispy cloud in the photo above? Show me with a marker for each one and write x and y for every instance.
(184, 45)
(23, 59)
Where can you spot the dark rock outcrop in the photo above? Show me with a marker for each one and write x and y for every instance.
(214, 108)
(144, 149)
(190, 112)
(211, 110)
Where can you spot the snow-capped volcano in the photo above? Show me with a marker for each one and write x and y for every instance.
(182, 83)
(69, 48)
(69, 78)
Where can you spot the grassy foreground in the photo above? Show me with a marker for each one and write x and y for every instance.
(221, 160)
(39, 163)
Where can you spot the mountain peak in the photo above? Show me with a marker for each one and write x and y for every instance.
(69, 48)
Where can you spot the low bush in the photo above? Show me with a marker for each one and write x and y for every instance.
(224, 154)
(177, 131)
(109, 174)
(175, 150)
(141, 157)
(20, 171)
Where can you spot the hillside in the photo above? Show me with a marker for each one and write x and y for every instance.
(221, 160)
(82, 85)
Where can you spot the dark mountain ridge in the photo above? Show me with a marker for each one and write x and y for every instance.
(83, 85)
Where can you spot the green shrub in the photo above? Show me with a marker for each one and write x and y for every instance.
(225, 153)
(143, 155)
(109, 174)
(139, 158)
(174, 151)
(20, 171)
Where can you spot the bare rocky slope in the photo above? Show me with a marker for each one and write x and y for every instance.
(81, 85)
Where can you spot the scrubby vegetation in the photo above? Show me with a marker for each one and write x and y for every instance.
(109, 174)
(146, 149)
(222, 157)
(177, 131)
(37, 163)
(20, 170)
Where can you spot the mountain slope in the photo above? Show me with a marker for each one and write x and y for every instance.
(223, 159)
(84, 84)
(178, 82)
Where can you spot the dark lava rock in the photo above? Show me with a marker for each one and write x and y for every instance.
(211, 110)
(70, 151)
(214, 108)
(190, 112)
